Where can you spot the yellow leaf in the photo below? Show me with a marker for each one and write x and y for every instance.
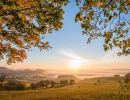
(128, 23)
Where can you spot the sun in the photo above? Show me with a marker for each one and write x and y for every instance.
(75, 64)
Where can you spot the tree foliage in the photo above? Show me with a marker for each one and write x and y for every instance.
(2, 77)
(127, 78)
(24, 23)
(107, 19)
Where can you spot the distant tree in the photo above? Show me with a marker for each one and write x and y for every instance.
(72, 81)
(117, 77)
(65, 82)
(2, 77)
(41, 84)
(16, 85)
(20, 87)
(47, 82)
(127, 78)
(44, 83)
(10, 85)
(98, 81)
(33, 86)
(95, 84)
(53, 83)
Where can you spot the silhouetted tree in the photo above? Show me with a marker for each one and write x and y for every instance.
(98, 81)
(47, 82)
(2, 77)
(53, 83)
(117, 77)
(16, 85)
(33, 86)
(44, 83)
(65, 82)
(72, 81)
(127, 78)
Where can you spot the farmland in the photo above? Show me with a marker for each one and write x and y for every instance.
(84, 90)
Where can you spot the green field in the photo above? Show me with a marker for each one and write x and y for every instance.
(80, 91)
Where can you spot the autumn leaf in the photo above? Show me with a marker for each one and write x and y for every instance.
(26, 21)
(128, 23)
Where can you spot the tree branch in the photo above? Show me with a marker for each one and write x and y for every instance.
(103, 10)
(17, 11)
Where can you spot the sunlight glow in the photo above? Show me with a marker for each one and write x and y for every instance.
(75, 64)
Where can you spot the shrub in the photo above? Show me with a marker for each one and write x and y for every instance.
(16, 85)
(127, 78)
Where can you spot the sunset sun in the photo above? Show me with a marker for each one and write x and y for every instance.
(75, 64)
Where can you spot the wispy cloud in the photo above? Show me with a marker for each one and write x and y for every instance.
(109, 60)
(70, 54)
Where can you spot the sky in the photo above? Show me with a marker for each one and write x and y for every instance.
(70, 50)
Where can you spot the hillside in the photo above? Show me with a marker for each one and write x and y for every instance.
(80, 91)
(101, 79)
(67, 77)
(26, 74)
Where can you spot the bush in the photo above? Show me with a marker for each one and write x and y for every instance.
(16, 85)
(127, 78)
(2, 77)
(65, 82)
(72, 81)
(33, 86)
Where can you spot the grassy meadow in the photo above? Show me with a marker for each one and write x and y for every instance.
(84, 90)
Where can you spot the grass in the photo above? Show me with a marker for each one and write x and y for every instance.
(81, 91)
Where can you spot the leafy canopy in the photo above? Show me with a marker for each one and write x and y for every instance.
(24, 23)
(107, 19)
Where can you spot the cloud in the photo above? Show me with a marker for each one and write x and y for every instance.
(109, 60)
(71, 55)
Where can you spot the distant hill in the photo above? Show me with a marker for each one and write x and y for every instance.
(5, 70)
(24, 72)
(29, 72)
(67, 77)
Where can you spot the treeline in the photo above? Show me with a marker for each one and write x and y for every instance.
(9, 85)
(51, 84)
(7, 82)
